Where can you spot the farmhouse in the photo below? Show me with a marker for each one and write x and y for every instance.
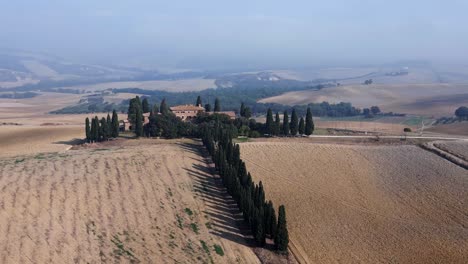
(187, 112)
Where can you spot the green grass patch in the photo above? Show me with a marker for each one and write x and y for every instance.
(40, 156)
(19, 160)
(188, 211)
(180, 222)
(241, 140)
(194, 227)
(205, 247)
(219, 250)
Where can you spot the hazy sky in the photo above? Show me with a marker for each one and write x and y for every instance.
(213, 33)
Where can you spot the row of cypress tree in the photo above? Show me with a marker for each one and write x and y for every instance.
(258, 213)
(103, 129)
(295, 126)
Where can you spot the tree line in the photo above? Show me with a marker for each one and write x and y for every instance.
(258, 213)
(294, 127)
(103, 129)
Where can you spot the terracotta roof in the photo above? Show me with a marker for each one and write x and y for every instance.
(187, 108)
(231, 114)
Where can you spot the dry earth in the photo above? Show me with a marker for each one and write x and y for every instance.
(115, 204)
(457, 148)
(457, 128)
(366, 204)
(22, 140)
(425, 99)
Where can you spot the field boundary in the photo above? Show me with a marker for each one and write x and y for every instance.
(445, 155)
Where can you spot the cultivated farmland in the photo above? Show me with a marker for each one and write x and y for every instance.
(136, 201)
(366, 203)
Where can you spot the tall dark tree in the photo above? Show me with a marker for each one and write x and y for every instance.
(134, 106)
(217, 106)
(242, 109)
(95, 131)
(282, 236)
(163, 108)
(115, 124)
(285, 123)
(309, 123)
(103, 129)
(109, 126)
(155, 109)
(139, 123)
(301, 126)
(270, 125)
(294, 125)
(145, 105)
(199, 101)
(88, 130)
(207, 108)
(277, 124)
(247, 112)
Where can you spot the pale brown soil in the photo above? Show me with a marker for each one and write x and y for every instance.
(116, 204)
(421, 99)
(22, 140)
(457, 148)
(366, 204)
(457, 128)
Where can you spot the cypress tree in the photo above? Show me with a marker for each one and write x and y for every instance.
(260, 235)
(139, 123)
(277, 124)
(294, 122)
(163, 109)
(309, 123)
(282, 236)
(207, 108)
(285, 123)
(270, 126)
(145, 106)
(247, 112)
(109, 126)
(96, 129)
(242, 110)
(88, 130)
(103, 129)
(199, 101)
(92, 131)
(301, 126)
(217, 106)
(271, 228)
(155, 109)
(115, 124)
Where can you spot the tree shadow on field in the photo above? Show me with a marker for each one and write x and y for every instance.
(226, 219)
(72, 142)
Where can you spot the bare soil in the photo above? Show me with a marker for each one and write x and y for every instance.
(141, 202)
(457, 148)
(366, 204)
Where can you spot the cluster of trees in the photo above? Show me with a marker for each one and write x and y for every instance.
(462, 113)
(258, 213)
(368, 82)
(102, 130)
(295, 126)
(371, 112)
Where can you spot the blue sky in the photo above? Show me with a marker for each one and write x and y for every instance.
(209, 33)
